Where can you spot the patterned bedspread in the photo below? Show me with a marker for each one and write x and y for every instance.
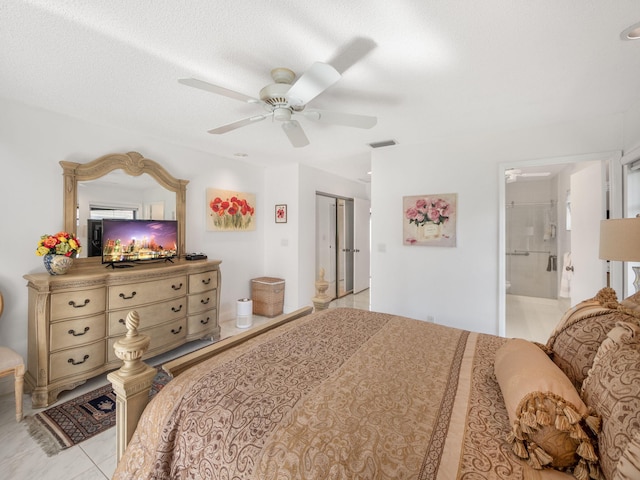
(339, 394)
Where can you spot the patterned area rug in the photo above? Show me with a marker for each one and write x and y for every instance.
(80, 418)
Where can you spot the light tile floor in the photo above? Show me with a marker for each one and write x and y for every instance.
(94, 459)
(533, 318)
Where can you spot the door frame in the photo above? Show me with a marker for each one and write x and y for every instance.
(616, 202)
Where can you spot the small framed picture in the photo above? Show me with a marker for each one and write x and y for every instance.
(281, 214)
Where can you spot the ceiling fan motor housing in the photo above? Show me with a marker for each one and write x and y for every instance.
(275, 98)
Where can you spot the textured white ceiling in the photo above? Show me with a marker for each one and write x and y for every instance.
(440, 67)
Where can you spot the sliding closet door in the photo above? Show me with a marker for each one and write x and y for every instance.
(342, 243)
(345, 246)
(326, 255)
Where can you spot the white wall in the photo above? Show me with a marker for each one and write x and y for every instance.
(33, 141)
(458, 286)
(282, 245)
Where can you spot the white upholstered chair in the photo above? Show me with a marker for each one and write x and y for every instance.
(11, 363)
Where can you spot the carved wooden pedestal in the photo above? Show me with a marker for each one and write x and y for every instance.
(321, 301)
(131, 383)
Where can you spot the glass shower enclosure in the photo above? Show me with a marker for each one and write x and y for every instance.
(531, 248)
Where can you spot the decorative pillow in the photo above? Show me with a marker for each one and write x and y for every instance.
(582, 329)
(631, 305)
(550, 421)
(547, 474)
(612, 389)
(629, 464)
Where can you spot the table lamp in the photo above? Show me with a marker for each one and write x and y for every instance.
(620, 241)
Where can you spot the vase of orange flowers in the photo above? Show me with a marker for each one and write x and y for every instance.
(58, 252)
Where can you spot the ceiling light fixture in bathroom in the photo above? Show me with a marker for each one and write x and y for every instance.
(631, 33)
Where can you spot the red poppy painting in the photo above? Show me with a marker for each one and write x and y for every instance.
(230, 211)
(281, 214)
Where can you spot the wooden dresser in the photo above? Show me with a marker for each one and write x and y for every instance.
(75, 319)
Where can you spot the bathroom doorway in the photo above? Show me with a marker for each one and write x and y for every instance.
(535, 233)
(540, 240)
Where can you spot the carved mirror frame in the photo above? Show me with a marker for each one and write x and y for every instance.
(131, 163)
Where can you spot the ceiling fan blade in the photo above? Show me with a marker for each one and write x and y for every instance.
(240, 123)
(312, 83)
(338, 118)
(295, 133)
(352, 53)
(209, 87)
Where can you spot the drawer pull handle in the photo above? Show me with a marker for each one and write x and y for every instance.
(205, 301)
(122, 321)
(204, 322)
(175, 332)
(207, 281)
(177, 287)
(174, 309)
(124, 297)
(73, 304)
(73, 332)
(73, 362)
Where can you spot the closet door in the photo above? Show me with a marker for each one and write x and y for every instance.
(345, 246)
(326, 255)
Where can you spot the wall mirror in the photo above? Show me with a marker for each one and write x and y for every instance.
(125, 184)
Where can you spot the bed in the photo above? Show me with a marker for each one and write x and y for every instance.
(352, 394)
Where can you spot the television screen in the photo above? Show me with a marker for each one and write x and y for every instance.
(138, 240)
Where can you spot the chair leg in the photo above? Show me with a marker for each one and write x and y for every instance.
(19, 387)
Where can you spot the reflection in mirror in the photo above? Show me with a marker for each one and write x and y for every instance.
(119, 196)
(120, 185)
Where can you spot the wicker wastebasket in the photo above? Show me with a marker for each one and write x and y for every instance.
(267, 294)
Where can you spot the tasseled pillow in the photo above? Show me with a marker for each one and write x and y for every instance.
(551, 425)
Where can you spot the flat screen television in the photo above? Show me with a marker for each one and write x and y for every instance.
(126, 241)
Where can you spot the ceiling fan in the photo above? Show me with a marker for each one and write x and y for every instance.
(512, 174)
(283, 100)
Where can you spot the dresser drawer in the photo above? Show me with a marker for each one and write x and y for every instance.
(200, 282)
(80, 303)
(202, 301)
(132, 295)
(162, 337)
(76, 360)
(201, 323)
(72, 333)
(149, 315)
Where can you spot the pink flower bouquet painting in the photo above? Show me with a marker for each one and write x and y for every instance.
(429, 220)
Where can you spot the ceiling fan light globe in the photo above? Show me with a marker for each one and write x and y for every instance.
(282, 114)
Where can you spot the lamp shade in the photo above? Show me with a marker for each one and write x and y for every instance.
(620, 239)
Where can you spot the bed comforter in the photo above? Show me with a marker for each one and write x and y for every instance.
(339, 394)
